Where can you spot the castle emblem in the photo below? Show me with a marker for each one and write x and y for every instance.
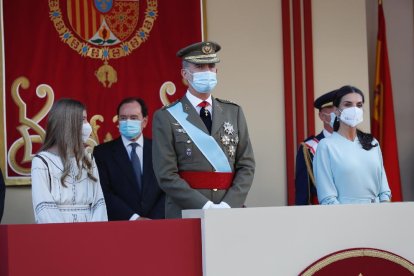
(103, 29)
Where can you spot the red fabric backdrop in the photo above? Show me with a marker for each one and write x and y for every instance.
(58, 55)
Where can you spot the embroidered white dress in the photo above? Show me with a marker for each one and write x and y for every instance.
(80, 201)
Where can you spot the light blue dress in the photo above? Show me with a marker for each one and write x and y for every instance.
(345, 173)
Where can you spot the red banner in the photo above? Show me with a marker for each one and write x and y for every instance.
(383, 122)
(97, 52)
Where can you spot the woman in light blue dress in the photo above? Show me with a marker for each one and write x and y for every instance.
(348, 165)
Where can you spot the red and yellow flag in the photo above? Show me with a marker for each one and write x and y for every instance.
(383, 121)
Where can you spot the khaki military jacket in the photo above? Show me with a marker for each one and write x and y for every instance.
(174, 151)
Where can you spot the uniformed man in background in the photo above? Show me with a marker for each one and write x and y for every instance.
(202, 154)
(305, 190)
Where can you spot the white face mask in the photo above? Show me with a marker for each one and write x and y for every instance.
(352, 116)
(86, 131)
(333, 117)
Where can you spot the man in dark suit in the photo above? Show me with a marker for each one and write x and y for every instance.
(305, 192)
(125, 168)
(202, 154)
(2, 194)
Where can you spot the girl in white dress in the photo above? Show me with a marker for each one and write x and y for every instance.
(65, 180)
(348, 165)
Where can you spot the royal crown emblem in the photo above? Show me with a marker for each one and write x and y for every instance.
(207, 49)
(103, 29)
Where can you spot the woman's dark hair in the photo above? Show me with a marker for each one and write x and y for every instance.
(364, 138)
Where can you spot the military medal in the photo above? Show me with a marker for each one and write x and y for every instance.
(228, 128)
(235, 140)
(229, 139)
(225, 140)
(231, 150)
(180, 130)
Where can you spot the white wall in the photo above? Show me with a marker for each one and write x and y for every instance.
(340, 48)
(251, 74)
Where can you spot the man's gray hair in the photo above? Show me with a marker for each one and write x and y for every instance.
(185, 64)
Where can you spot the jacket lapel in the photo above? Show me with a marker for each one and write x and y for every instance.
(218, 117)
(193, 116)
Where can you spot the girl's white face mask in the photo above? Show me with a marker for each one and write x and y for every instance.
(86, 131)
(352, 116)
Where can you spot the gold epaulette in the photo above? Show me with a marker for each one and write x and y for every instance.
(308, 162)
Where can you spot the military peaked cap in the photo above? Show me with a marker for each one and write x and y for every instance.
(200, 53)
(325, 100)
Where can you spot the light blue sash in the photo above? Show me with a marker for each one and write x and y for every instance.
(206, 143)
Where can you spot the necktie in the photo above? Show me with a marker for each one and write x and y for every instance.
(205, 115)
(136, 164)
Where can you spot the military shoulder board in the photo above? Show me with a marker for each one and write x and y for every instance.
(312, 144)
(170, 104)
(226, 101)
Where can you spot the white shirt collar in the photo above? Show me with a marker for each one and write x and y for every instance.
(126, 142)
(326, 133)
(195, 101)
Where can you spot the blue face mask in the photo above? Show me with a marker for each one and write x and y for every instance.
(203, 82)
(130, 128)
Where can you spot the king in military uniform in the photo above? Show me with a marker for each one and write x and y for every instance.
(202, 155)
(305, 189)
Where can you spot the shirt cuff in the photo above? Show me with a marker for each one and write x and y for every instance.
(385, 197)
(207, 205)
(134, 217)
(224, 205)
(329, 201)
